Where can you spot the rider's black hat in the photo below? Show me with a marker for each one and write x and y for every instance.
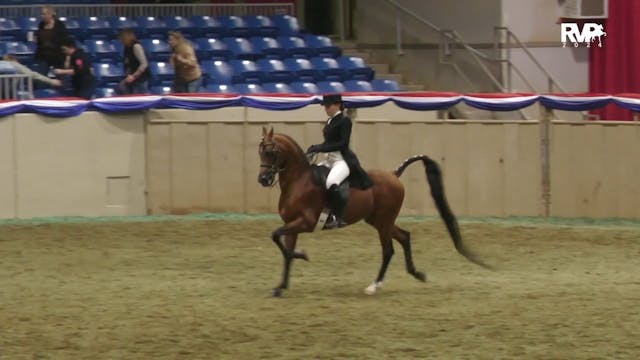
(331, 99)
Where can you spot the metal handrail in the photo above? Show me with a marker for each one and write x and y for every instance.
(454, 37)
(550, 80)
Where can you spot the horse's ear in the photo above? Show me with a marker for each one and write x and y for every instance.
(264, 131)
(271, 133)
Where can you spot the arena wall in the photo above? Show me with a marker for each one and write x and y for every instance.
(88, 165)
(174, 161)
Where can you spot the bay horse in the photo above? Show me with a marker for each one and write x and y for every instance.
(302, 201)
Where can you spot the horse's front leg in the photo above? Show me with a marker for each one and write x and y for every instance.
(290, 231)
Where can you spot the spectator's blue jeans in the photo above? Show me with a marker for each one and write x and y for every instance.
(187, 87)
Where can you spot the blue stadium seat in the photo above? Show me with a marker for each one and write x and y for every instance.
(74, 28)
(6, 67)
(161, 71)
(96, 28)
(27, 24)
(101, 50)
(9, 30)
(246, 89)
(329, 87)
(356, 68)
(184, 25)
(242, 48)
(277, 88)
(208, 26)
(260, 25)
(295, 46)
(221, 89)
(234, 26)
(303, 70)
(22, 50)
(287, 24)
(156, 49)
(46, 93)
(358, 86)
(104, 92)
(275, 70)
(217, 72)
(385, 85)
(160, 90)
(322, 45)
(212, 49)
(304, 88)
(121, 22)
(329, 68)
(246, 71)
(154, 27)
(269, 47)
(108, 73)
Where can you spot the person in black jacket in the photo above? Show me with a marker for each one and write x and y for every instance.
(78, 66)
(339, 158)
(49, 38)
(136, 66)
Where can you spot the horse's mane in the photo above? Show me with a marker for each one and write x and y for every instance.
(297, 147)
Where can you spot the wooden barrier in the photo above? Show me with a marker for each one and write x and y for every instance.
(174, 161)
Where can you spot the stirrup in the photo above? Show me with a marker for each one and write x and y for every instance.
(334, 223)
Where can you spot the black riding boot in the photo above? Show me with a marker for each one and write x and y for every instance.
(337, 197)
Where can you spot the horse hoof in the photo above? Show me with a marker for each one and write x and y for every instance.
(276, 293)
(420, 276)
(301, 255)
(373, 288)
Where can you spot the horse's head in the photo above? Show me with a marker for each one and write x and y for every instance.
(270, 163)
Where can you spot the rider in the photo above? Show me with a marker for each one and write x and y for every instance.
(339, 158)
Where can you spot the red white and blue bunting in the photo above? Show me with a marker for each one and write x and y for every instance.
(420, 101)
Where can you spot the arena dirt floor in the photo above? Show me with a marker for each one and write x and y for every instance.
(199, 288)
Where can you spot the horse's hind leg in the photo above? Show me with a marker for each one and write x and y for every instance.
(404, 238)
(387, 253)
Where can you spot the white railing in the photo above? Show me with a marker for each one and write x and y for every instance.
(16, 86)
(156, 10)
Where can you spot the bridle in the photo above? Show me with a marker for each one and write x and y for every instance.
(271, 151)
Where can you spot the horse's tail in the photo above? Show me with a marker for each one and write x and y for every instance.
(434, 177)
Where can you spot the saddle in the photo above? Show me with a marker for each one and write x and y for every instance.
(320, 174)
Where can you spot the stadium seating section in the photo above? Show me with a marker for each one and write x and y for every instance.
(238, 54)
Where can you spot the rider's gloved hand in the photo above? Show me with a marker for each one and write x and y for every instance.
(312, 149)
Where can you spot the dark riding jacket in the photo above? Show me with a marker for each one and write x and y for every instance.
(337, 134)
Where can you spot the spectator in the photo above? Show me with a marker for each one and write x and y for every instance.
(21, 69)
(49, 37)
(78, 66)
(136, 66)
(188, 76)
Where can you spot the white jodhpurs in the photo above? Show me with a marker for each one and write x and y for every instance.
(339, 172)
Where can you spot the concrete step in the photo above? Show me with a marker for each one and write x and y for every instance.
(365, 55)
(380, 68)
(407, 87)
(395, 77)
(345, 45)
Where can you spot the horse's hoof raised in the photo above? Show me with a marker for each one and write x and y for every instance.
(276, 293)
(301, 255)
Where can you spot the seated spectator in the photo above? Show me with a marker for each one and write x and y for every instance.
(21, 69)
(188, 78)
(136, 66)
(78, 66)
(49, 37)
